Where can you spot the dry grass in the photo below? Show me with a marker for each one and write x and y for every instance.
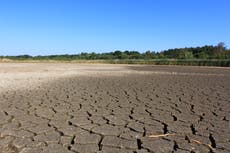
(161, 135)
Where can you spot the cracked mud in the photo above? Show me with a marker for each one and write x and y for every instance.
(70, 108)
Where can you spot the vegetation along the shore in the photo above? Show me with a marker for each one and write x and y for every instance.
(210, 55)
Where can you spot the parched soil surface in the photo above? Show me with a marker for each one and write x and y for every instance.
(70, 108)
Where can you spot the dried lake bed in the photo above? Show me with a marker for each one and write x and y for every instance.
(102, 108)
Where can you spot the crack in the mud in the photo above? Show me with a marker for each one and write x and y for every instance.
(139, 144)
(100, 143)
(193, 129)
(144, 133)
(174, 117)
(165, 128)
(130, 117)
(72, 140)
(89, 114)
(192, 108)
(175, 146)
(212, 140)
(187, 139)
(104, 118)
(201, 118)
(225, 119)
(6, 113)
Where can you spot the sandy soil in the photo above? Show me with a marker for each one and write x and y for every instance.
(61, 108)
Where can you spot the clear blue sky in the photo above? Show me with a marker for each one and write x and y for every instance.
(41, 27)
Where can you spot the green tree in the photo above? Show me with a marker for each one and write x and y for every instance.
(202, 55)
(185, 54)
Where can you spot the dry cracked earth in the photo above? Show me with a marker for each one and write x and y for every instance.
(72, 108)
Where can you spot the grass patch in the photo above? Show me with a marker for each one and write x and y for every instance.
(185, 62)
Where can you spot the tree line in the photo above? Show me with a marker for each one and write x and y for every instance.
(205, 52)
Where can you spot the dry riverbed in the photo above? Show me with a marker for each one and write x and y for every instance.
(87, 108)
